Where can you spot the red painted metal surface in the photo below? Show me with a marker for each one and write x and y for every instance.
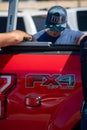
(47, 104)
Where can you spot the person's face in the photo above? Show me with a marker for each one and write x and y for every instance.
(53, 33)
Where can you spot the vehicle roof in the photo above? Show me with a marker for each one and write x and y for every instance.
(26, 11)
(35, 12)
(77, 9)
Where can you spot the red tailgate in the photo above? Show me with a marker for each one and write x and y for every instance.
(47, 92)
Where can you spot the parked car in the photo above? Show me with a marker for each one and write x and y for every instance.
(30, 21)
(77, 18)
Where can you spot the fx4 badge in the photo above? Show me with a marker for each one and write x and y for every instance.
(51, 81)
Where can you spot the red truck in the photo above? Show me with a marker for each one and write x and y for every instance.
(41, 87)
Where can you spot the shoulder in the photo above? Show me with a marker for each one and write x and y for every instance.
(75, 33)
(38, 34)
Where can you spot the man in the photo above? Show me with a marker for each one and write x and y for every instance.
(14, 37)
(57, 30)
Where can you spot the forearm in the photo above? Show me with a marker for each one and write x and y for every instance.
(80, 39)
(14, 37)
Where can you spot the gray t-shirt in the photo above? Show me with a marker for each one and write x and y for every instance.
(68, 36)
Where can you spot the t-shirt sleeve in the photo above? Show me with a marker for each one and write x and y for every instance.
(38, 34)
(78, 34)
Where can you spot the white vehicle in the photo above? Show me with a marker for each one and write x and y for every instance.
(77, 18)
(30, 21)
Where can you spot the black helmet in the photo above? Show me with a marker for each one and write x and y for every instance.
(56, 18)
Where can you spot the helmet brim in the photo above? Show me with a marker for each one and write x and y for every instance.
(57, 28)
